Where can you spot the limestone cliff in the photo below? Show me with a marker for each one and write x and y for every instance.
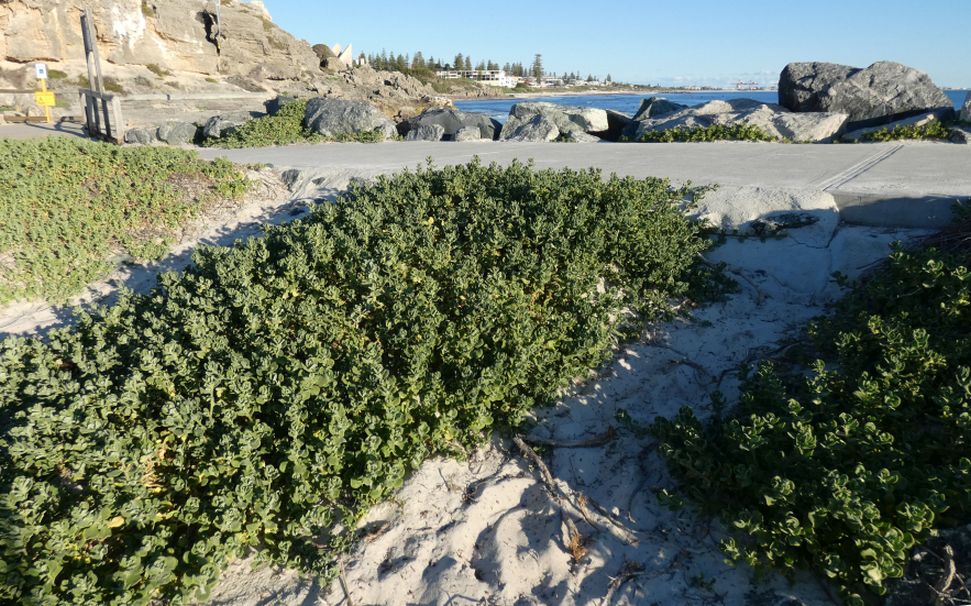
(172, 46)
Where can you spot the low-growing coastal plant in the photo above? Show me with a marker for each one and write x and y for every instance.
(845, 470)
(68, 206)
(264, 399)
(715, 132)
(936, 130)
(284, 128)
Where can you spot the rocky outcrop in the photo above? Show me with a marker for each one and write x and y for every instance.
(176, 34)
(618, 123)
(452, 121)
(397, 95)
(966, 110)
(882, 93)
(774, 120)
(533, 122)
(177, 133)
(426, 132)
(961, 134)
(335, 118)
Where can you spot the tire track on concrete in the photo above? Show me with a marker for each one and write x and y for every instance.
(842, 178)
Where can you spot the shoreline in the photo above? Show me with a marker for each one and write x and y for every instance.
(595, 93)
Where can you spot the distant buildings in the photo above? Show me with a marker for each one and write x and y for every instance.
(499, 78)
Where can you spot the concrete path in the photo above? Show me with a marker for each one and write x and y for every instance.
(909, 184)
(36, 130)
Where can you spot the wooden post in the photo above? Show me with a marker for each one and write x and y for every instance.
(91, 57)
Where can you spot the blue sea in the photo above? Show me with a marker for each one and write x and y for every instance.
(499, 108)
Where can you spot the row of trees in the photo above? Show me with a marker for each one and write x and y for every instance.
(418, 63)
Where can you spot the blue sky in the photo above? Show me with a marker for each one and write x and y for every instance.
(700, 42)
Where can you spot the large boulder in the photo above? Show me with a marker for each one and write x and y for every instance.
(452, 121)
(426, 132)
(655, 107)
(882, 93)
(538, 128)
(618, 123)
(966, 110)
(340, 117)
(177, 133)
(532, 120)
(774, 120)
(141, 136)
(469, 133)
(224, 124)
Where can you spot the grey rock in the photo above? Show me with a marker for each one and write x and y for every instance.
(966, 110)
(539, 128)
(618, 124)
(274, 105)
(469, 133)
(426, 132)
(655, 107)
(143, 136)
(920, 120)
(565, 120)
(339, 117)
(177, 133)
(578, 136)
(775, 120)
(961, 134)
(453, 120)
(882, 93)
(224, 124)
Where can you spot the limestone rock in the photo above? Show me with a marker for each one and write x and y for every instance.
(655, 107)
(523, 121)
(468, 133)
(879, 94)
(453, 120)
(775, 120)
(141, 136)
(618, 124)
(340, 117)
(426, 132)
(538, 128)
(966, 110)
(177, 133)
(224, 124)
(578, 136)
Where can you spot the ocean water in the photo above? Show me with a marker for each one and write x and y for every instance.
(499, 108)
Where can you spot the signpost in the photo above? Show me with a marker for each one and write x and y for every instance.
(43, 97)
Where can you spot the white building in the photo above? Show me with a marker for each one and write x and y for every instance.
(489, 77)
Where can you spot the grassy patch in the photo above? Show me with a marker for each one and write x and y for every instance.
(934, 131)
(56, 74)
(69, 205)
(845, 470)
(266, 398)
(715, 132)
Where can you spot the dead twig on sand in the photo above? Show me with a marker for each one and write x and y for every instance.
(629, 572)
(594, 442)
(343, 581)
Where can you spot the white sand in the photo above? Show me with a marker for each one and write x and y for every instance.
(487, 531)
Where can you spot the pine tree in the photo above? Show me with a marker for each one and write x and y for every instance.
(418, 61)
(468, 64)
(537, 69)
(459, 62)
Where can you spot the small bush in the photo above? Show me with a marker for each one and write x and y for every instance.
(56, 74)
(935, 130)
(715, 132)
(69, 205)
(264, 399)
(845, 471)
(158, 70)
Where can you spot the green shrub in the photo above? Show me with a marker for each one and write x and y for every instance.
(158, 70)
(935, 130)
(715, 132)
(845, 470)
(68, 205)
(264, 399)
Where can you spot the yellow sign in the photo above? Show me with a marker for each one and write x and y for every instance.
(45, 98)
